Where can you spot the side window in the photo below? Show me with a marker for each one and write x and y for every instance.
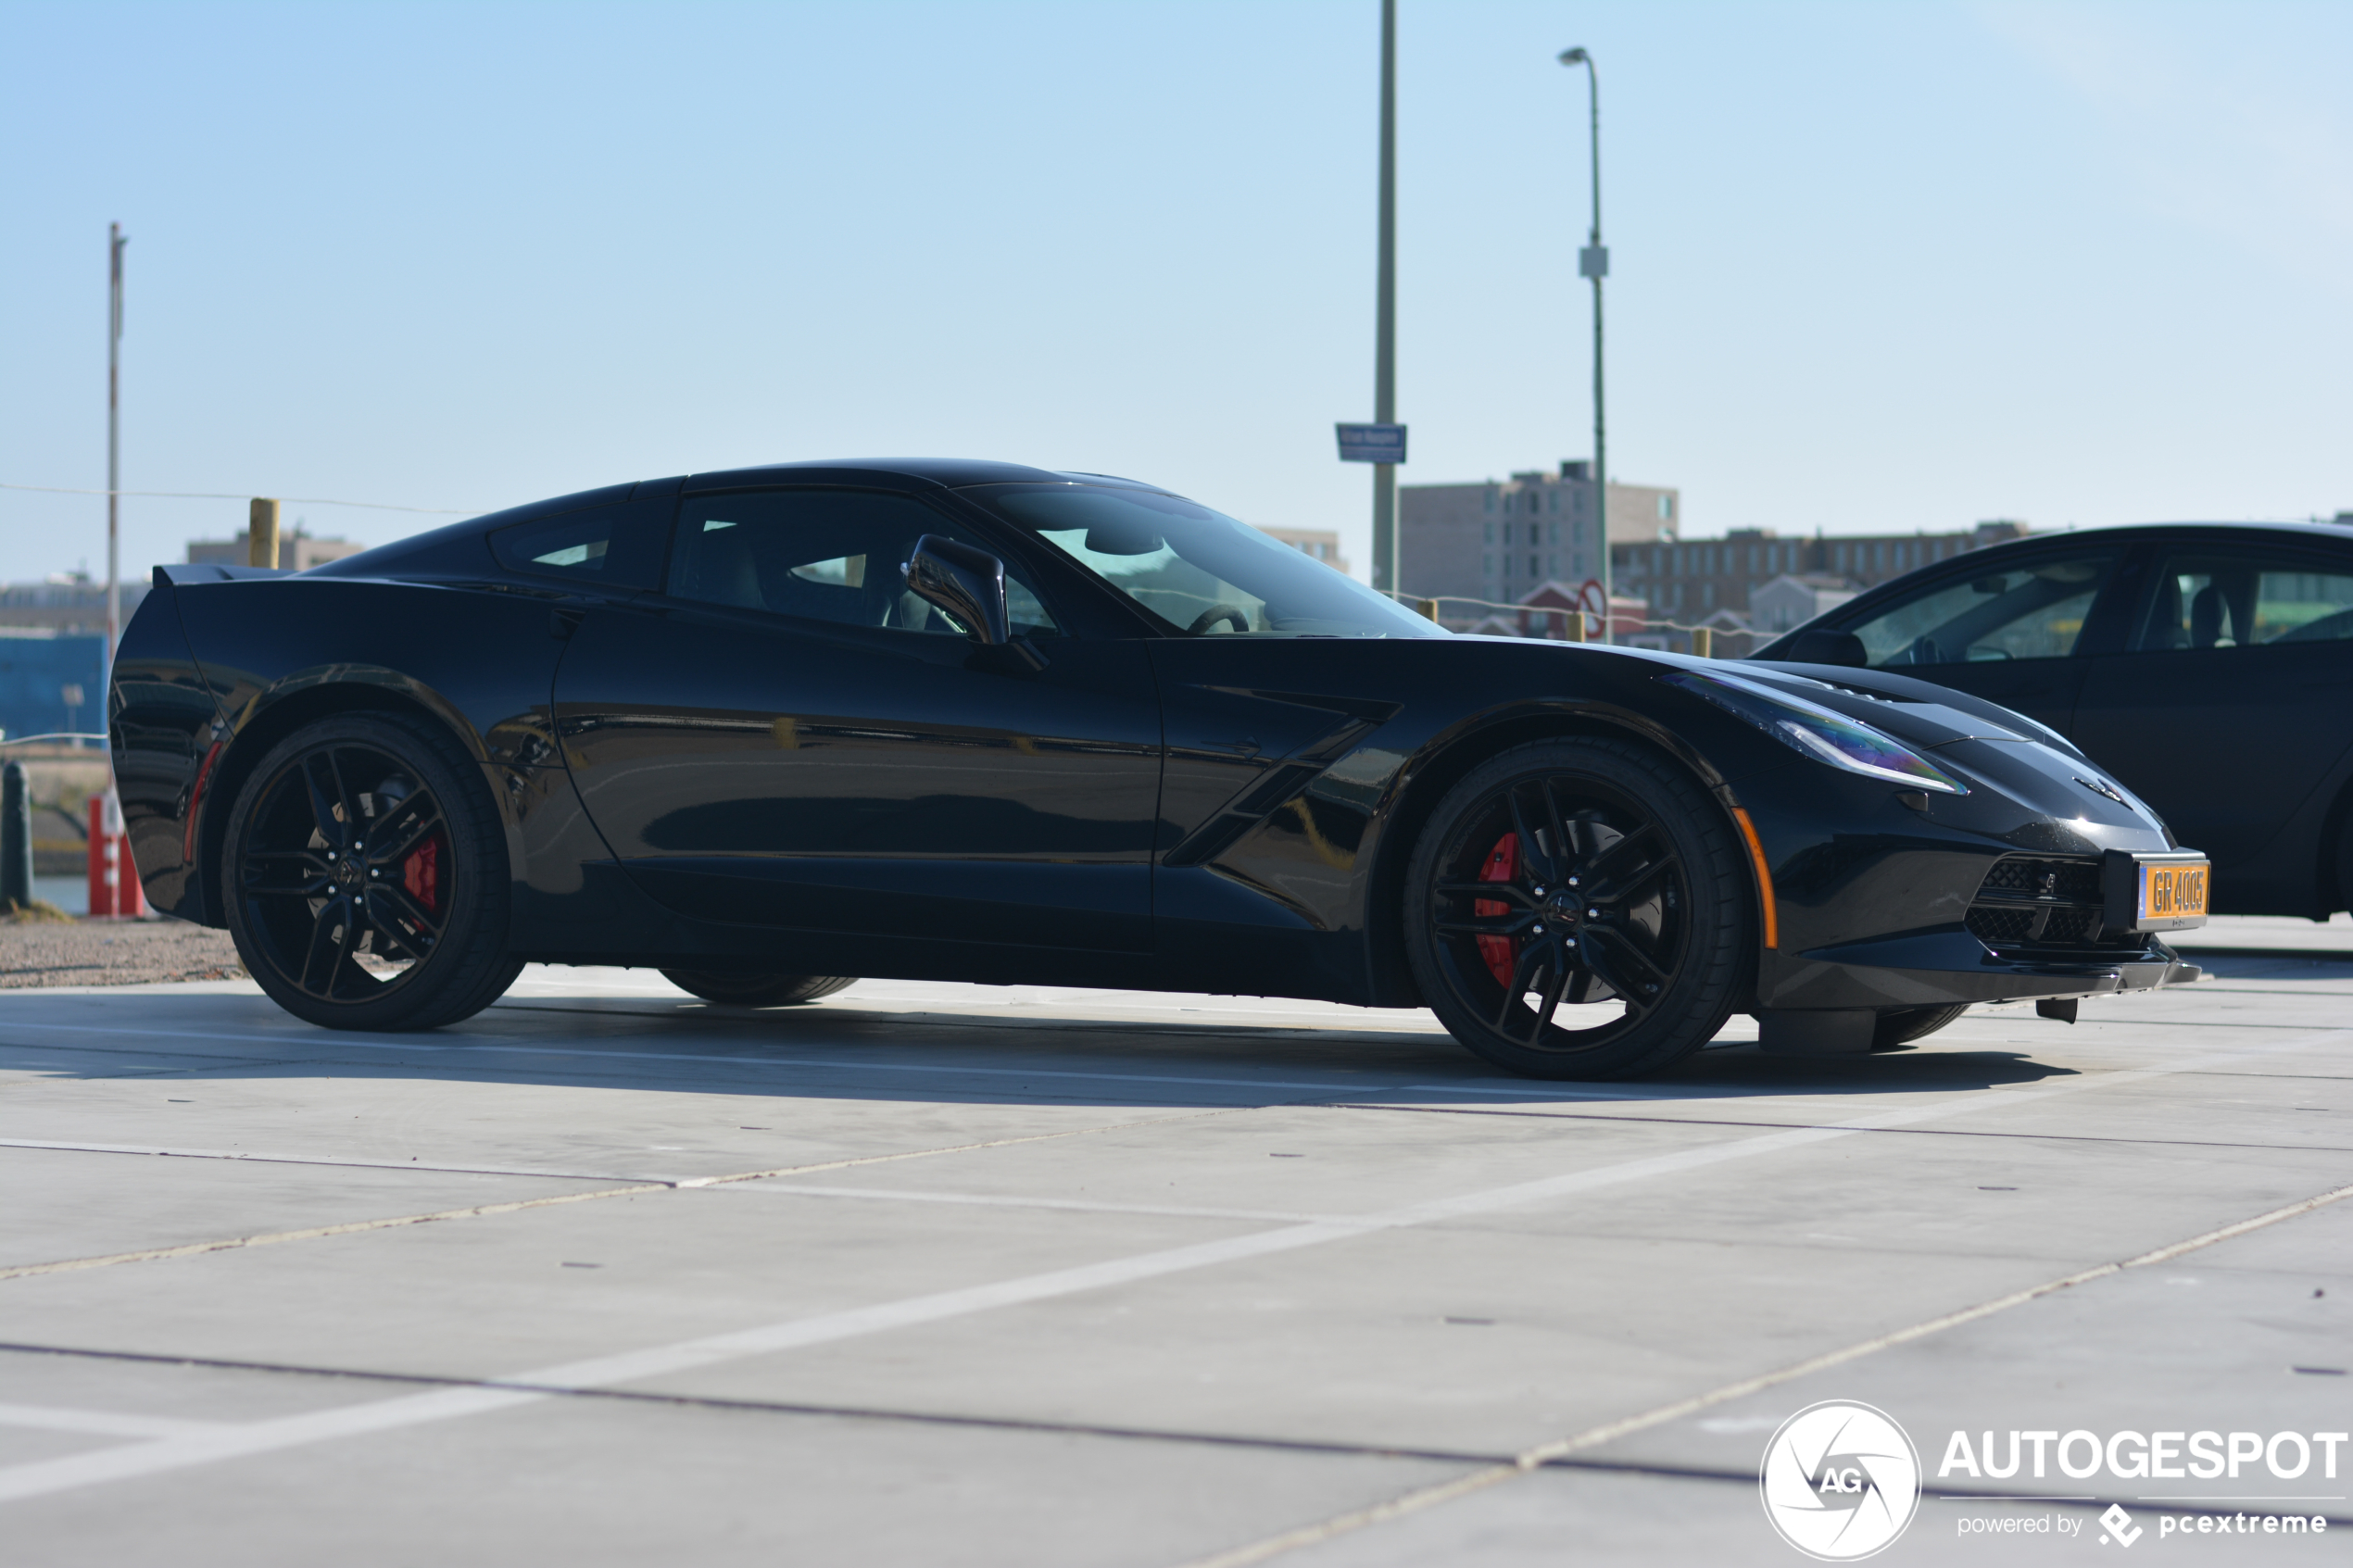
(825, 554)
(615, 547)
(2033, 610)
(2214, 600)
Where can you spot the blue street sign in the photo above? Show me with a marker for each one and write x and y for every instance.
(1371, 443)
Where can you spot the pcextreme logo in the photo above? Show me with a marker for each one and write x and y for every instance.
(1840, 1480)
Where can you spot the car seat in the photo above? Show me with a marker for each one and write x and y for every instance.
(2165, 615)
(2205, 617)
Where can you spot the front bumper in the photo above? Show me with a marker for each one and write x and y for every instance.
(1940, 967)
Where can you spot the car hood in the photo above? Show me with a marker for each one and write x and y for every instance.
(1914, 712)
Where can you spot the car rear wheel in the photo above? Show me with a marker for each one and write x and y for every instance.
(1577, 909)
(365, 877)
(1901, 1025)
(754, 990)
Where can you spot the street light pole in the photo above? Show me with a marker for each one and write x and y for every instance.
(1593, 262)
(115, 241)
(1385, 562)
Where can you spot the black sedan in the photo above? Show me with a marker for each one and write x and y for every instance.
(2207, 666)
(771, 728)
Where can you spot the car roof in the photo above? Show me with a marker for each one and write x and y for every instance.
(2313, 531)
(2336, 532)
(459, 542)
(952, 472)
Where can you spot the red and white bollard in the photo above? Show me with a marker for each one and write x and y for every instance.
(115, 893)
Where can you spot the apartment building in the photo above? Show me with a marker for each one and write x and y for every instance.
(1493, 542)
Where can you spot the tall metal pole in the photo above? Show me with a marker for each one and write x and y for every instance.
(115, 241)
(1593, 262)
(1385, 562)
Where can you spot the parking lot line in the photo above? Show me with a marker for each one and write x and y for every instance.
(47, 1476)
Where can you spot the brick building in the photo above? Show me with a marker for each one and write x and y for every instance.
(1709, 580)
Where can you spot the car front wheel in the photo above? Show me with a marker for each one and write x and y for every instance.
(1577, 909)
(365, 877)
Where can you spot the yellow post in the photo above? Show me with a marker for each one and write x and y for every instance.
(1427, 607)
(1573, 626)
(261, 532)
(1704, 642)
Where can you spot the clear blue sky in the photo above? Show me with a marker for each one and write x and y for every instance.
(1875, 266)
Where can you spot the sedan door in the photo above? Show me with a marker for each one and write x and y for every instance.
(2233, 699)
(787, 737)
(2012, 633)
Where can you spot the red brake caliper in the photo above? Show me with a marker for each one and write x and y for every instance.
(1503, 865)
(421, 875)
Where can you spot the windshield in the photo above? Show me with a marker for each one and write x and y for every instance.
(1199, 572)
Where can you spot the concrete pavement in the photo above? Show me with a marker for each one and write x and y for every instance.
(960, 1274)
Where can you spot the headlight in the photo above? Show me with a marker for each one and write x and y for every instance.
(1820, 732)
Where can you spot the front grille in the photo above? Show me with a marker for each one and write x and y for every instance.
(2041, 903)
(1997, 928)
(2043, 876)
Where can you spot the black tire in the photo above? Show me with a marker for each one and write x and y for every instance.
(1899, 1026)
(1669, 941)
(407, 932)
(757, 990)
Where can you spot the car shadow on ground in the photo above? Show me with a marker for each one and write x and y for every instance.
(868, 1050)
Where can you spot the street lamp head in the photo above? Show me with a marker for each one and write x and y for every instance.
(1574, 57)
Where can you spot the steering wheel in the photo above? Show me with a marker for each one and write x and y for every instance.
(1234, 614)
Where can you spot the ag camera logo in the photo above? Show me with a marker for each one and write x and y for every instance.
(1840, 1480)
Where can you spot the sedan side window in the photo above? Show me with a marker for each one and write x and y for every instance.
(825, 554)
(2209, 600)
(2033, 610)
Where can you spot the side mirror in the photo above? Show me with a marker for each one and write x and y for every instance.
(968, 583)
(1823, 646)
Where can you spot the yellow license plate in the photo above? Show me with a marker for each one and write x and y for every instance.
(2175, 892)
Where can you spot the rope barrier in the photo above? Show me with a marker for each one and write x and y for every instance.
(214, 496)
(1572, 610)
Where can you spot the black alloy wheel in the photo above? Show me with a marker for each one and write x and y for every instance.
(367, 878)
(1577, 909)
(754, 989)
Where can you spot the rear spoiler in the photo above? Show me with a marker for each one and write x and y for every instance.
(181, 574)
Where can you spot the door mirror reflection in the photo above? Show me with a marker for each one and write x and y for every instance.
(964, 583)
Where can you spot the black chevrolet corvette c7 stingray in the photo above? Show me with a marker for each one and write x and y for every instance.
(769, 728)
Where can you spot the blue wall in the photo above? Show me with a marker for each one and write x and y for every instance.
(32, 672)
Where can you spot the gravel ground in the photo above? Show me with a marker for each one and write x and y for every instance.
(114, 953)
